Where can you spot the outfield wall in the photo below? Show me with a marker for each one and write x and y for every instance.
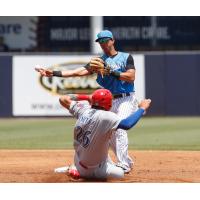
(5, 86)
(171, 80)
(173, 83)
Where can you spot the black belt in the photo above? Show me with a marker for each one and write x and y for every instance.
(115, 96)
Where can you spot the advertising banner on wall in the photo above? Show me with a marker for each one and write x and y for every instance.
(163, 32)
(34, 95)
(19, 32)
(65, 33)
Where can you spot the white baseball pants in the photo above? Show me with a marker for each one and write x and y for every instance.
(107, 169)
(123, 107)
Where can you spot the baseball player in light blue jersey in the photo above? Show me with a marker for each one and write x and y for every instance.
(120, 82)
(94, 126)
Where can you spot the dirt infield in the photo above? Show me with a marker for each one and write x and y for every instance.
(36, 166)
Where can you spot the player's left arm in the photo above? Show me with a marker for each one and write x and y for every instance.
(129, 74)
(131, 120)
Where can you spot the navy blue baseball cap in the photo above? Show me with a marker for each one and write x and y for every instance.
(104, 34)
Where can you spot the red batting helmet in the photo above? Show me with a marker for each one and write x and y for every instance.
(102, 98)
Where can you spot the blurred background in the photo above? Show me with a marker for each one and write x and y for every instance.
(75, 34)
(167, 60)
(165, 50)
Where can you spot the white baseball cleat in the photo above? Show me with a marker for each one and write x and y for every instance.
(69, 170)
(62, 169)
(125, 168)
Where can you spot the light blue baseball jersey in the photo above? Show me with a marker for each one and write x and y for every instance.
(120, 62)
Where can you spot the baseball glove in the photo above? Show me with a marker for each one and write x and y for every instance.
(97, 65)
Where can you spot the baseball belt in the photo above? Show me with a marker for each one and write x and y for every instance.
(87, 167)
(116, 96)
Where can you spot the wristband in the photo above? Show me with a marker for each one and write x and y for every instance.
(57, 73)
(116, 74)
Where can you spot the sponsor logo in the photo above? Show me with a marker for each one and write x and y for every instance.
(10, 28)
(61, 85)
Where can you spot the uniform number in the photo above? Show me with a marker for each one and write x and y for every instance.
(82, 136)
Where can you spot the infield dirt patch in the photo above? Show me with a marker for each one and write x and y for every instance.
(36, 166)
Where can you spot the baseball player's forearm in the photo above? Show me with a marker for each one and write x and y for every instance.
(65, 101)
(130, 121)
(128, 76)
(82, 71)
(80, 97)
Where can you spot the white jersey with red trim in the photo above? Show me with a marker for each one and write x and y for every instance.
(92, 133)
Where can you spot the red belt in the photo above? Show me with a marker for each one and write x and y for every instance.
(88, 167)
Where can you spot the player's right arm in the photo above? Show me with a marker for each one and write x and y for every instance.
(81, 71)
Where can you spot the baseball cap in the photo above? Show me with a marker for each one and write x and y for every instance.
(104, 34)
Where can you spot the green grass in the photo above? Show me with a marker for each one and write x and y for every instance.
(156, 133)
(36, 133)
(166, 133)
